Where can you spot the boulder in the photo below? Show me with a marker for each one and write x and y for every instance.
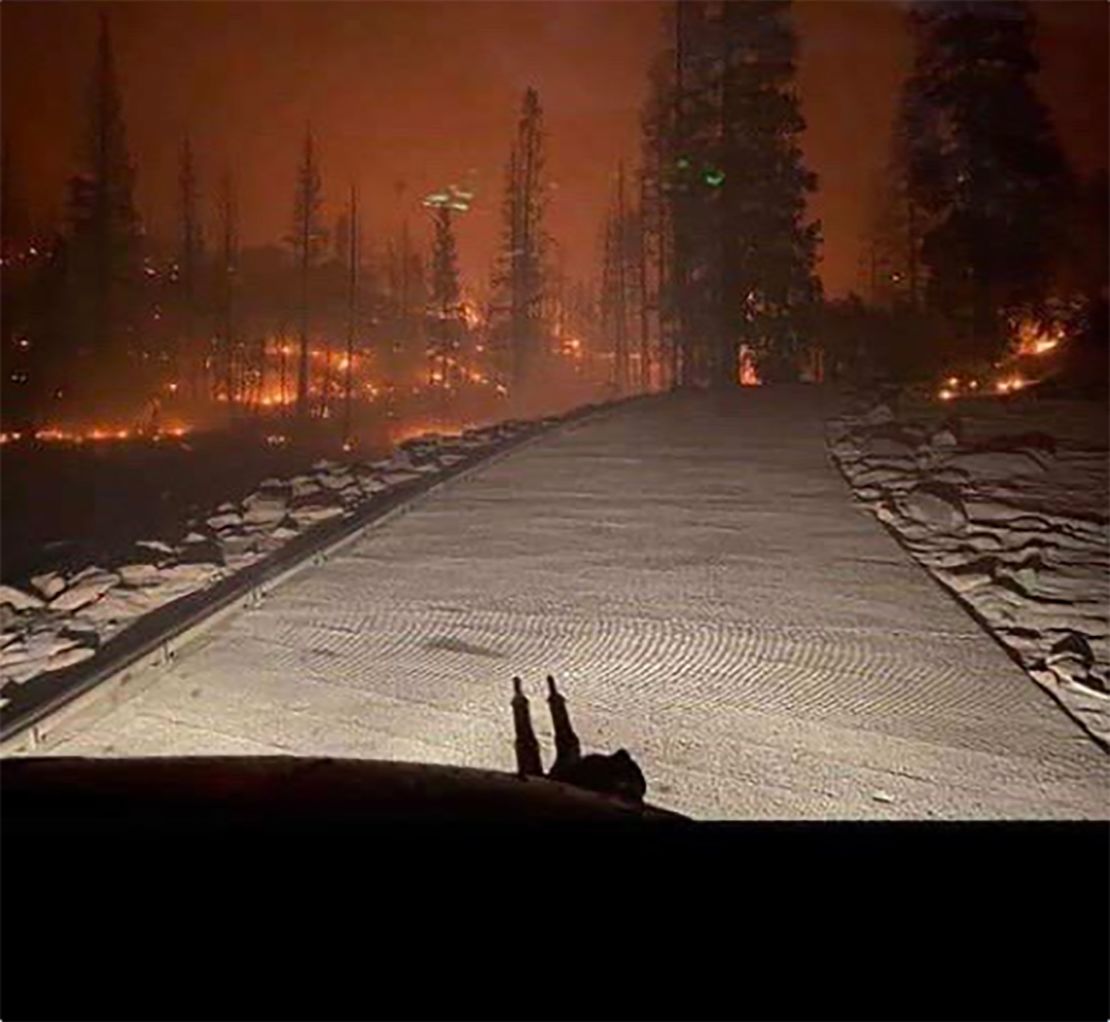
(396, 477)
(49, 585)
(305, 487)
(337, 480)
(1002, 465)
(155, 545)
(937, 510)
(139, 574)
(84, 589)
(235, 544)
(69, 657)
(222, 521)
(311, 515)
(201, 550)
(121, 605)
(886, 447)
(878, 415)
(1072, 646)
(262, 518)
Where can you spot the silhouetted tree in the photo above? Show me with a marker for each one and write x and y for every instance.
(768, 251)
(725, 193)
(444, 310)
(984, 164)
(624, 273)
(102, 249)
(229, 255)
(352, 259)
(692, 186)
(899, 221)
(655, 124)
(308, 240)
(519, 277)
(188, 354)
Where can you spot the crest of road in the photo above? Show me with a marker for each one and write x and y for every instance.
(694, 571)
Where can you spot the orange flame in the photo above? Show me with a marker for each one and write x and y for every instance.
(748, 373)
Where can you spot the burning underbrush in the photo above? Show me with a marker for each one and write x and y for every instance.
(1042, 352)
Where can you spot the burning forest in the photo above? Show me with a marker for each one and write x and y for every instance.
(739, 369)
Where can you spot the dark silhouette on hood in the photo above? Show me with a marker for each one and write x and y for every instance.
(616, 775)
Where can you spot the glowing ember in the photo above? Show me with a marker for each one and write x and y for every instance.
(416, 431)
(1009, 384)
(470, 315)
(1035, 338)
(748, 373)
(946, 394)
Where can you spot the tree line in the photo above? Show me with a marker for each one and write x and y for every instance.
(709, 256)
(100, 314)
(707, 271)
(980, 222)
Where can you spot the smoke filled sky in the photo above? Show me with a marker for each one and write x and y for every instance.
(405, 98)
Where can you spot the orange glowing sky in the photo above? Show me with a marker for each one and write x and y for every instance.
(427, 94)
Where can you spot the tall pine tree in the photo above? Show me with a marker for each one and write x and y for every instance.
(353, 260)
(655, 227)
(308, 239)
(519, 278)
(695, 203)
(103, 227)
(444, 309)
(726, 193)
(985, 165)
(189, 360)
(768, 250)
(228, 229)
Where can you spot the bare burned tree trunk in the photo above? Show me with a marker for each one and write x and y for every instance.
(520, 272)
(187, 356)
(352, 306)
(642, 267)
(620, 311)
(228, 256)
(307, 238)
